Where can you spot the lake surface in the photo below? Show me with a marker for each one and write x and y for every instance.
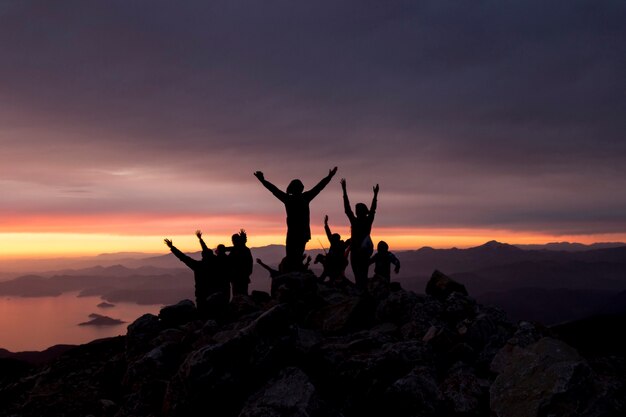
(40, 322)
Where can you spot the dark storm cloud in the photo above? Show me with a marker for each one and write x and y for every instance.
(487, 113)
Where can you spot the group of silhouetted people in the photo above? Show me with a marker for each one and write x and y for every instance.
(230, 267)
(359, 247)
(217, 272)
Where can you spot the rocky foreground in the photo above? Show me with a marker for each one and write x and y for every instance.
(314, 350)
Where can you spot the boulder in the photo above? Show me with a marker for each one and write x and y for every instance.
(225, 374)
(290, 394)
(399, 307)
(348, 315)
(441, 286)
(465, 394)
(180, 313)
(545, 378)
(415, 394)
(140, 333)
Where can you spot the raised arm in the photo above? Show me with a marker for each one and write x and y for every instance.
(313, 192)
(374, 203)
(190, 262)
(346, 201)
(281, 195)
(205, 248)
(326, 228)
(396, 262)
(260, 262)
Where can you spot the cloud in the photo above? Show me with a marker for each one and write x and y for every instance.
(505, 114)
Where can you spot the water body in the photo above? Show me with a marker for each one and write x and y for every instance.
(41, 322)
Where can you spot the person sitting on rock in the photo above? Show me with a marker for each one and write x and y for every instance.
(241, 263)
(274, 273)
(296, 202)
(335, 261)
(383, 260)
(205, 283)
(361, 246)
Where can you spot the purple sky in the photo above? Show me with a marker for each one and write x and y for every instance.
(485, 114)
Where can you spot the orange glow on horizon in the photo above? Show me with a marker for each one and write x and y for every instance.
(50, 245)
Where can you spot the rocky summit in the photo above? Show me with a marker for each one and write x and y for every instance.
(317, 350)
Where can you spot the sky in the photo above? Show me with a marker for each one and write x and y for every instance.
(124, 122)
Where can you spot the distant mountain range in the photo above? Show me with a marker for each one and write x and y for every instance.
(571, 247)
(550, 283)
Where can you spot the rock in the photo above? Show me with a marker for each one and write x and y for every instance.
(351, 314)
(441, 286)
(260, 297)
(398, 307)
(378, 287)
(360, 369)
(458, 307)
(296, 288)
(545, 378)
(180, 313)
(242, 305)
(465, 394)
(215, 307)
(415, 394)
(225, 374)
(290, 394)
(140, 333)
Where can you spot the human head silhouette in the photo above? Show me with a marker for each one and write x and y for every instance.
(361, 210)
(335, 238)
(295, 187)
(220, 250)
(382, 246)
(235, 239)
(243, 237)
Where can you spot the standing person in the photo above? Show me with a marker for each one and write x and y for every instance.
(336, 261)
(382, 261)
(296, 202)
(219, 267)
(202, 272)
(241, 263)
(361, 246)
(222, 269)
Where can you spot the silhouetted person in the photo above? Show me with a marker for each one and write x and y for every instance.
(296, 202)
(273, 272)
(205, 284)
(240, 264)
(382, 261)
(335, 261)
(361, 246)
(222, 268)
(219, 268)
(307, 262)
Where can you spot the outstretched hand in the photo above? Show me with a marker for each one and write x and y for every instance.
(199, 233)
(343, 183)
(258, 261)
(168, 242)
(376, 188)
(397, 269)
(259, 175)
(326, 219)
(332, 172)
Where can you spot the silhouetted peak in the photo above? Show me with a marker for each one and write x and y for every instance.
(495, 245)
